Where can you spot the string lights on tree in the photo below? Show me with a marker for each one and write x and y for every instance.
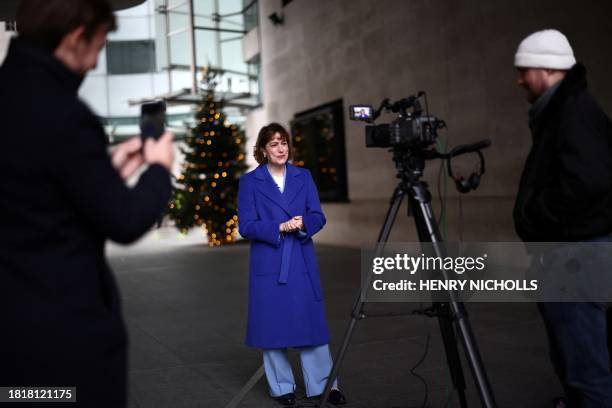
(206, 191)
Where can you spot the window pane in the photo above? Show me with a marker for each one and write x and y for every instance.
(203, 7)
(206, 48)
(179, 49)
(231, 52)
(255, 79)
(178, 20)
(233, 22)
(130, 57)
(250, 15)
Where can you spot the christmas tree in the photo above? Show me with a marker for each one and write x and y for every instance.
(207, 189)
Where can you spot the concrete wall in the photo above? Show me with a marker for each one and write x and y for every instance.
(460, 52)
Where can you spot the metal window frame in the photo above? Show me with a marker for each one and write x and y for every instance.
(191, 28)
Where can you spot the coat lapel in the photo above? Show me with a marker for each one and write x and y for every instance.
(293, 184)
(268, 187)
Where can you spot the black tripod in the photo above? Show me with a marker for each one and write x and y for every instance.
(410, 167)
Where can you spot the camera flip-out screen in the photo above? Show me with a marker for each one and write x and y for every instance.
(361, 112)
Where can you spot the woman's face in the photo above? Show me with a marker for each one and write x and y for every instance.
(277, 150)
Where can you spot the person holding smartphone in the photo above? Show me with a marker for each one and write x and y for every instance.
(61, 197)
(279, 212)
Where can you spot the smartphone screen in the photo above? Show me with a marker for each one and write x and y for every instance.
(361, 112)
(152, 119)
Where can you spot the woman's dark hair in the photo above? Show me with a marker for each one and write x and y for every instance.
(46, 22)
(265, 135)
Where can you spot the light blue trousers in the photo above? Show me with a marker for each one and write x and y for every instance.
(316, 366)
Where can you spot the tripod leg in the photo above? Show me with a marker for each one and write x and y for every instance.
(427, 234)
(430, 233)
(473, 356)
(452, 353)
(358, 306)
(428, 230)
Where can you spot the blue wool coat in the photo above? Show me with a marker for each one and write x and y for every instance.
(285, 299)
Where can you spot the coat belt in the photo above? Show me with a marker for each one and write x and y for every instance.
(286, 259)
(283, 278)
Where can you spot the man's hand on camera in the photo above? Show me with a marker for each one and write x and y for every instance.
(160, 151)
(127, 157)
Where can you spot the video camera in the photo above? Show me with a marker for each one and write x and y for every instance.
(411, 129)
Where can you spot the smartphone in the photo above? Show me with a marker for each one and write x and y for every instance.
(152, 119)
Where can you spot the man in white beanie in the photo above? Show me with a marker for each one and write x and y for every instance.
(565, 195)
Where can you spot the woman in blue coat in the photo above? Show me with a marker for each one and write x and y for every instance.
(279, 212)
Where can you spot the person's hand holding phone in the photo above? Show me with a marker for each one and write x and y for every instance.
(160, 151)
(127, 157)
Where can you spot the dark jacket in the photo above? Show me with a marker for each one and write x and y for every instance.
(60, 199)
(565, 192)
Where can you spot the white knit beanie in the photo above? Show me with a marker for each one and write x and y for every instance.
(545, 49)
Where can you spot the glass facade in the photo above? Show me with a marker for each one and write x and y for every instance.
(251, 14)
(219, 29)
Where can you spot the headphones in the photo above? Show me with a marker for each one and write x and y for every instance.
(464, 185)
